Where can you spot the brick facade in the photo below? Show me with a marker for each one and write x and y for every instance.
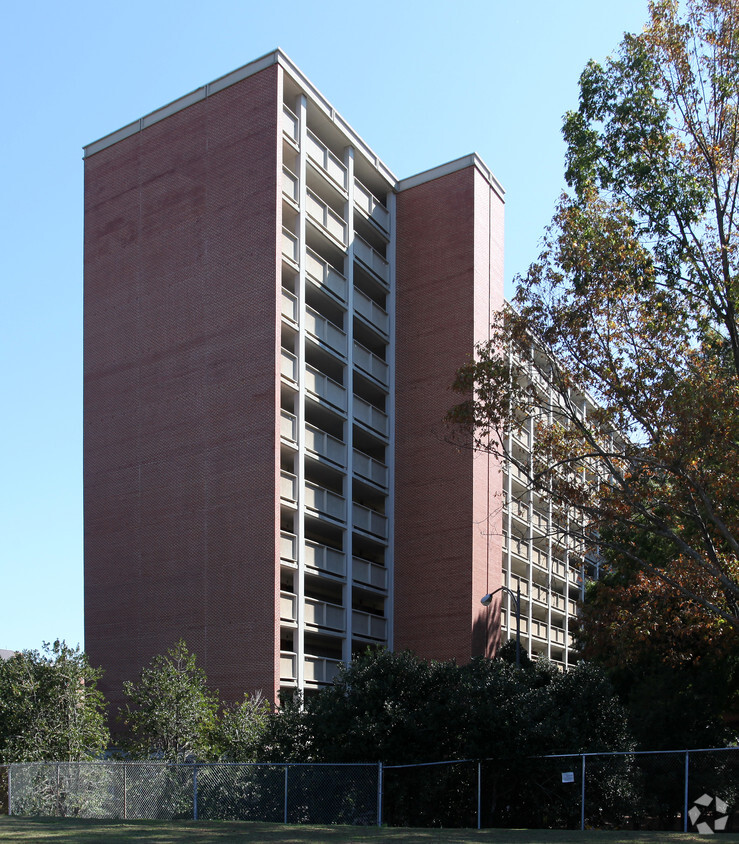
(181, 387)
(448, 501)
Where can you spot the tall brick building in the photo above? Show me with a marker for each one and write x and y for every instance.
(272, 323)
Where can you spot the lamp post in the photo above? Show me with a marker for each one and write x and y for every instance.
(516, 596)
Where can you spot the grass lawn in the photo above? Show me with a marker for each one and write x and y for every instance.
(220, 832)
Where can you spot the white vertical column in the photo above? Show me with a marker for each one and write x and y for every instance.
(299, 644)
(390, 453)
(349, 433)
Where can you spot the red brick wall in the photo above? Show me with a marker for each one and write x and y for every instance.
(447, 510)
(181, 391)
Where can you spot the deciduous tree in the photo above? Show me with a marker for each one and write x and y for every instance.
(50, 707)
(633, 301)
(171, 712)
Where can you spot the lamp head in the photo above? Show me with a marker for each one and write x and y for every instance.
(487, 600)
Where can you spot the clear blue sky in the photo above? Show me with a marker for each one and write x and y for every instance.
(422, 81)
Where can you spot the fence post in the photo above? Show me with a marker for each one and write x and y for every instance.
(379, 794)
(685, 802)
(10, 790)
(285, 813)
(479, 794)
(194, 792)
(582, 796)
(125, 784)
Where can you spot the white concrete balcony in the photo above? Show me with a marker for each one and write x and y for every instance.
(518, 511)
(288, 366)
(517, 475)
(540, 522)
(324, 501)
(324, 559)
(369, 574)
(323, 275)
(370, 469)
(324, 445)
(288, 547)
(369, 626)
(371, 259)
(326, 162)
(324, 331)
(325, 389)
(288, 607)
(288, 427)
(320, 670)
(290, 186)
(321, 614)
(290, 246)
(539, 629)
(288, 666)
(371, 207)
(370, 364)
(522, 437)
(517, 582)
(370, 311)
(289, 306)
(557, 635)
(524, 628)
(325, 218)
(370, 416)
(368, 520)
(290, 125)
(288, 487)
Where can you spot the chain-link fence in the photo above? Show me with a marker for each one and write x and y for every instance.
(664, 790)
(677, 790)
(4, 772)
(280, 793)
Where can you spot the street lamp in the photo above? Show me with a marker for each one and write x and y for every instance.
(516, 596)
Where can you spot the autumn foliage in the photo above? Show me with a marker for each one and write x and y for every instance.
(632, 304)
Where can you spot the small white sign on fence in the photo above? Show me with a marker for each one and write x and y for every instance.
(568, 776)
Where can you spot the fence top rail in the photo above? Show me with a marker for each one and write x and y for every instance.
(164, 764)
(429, 764)
(628, 752)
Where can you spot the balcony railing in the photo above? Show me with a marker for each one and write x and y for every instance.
(370, 363)
(288, 666)
(323, 614)
(289, 306)
(324, 445)
(324, 559)
(288, 487)
(370, 469)
(368, 625)
(319, 669)
(331, 166)
(288, 365)
(290, 124)
(288, 427)
(326, 218)
(372, 259)
(369, 309)
(370, 416)
(288, 607)
(369, 520)
(368, 573)
(371, 206)
(288, 547)
(325, 331)
(324, 388)
(324, 501)
(290, 246)
(290, 185)
(322, 274)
